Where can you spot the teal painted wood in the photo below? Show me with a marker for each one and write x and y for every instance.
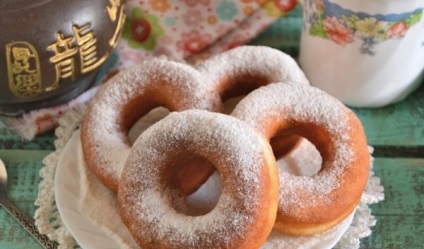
(399, 124)
(13, 235)
(400, 218)
(9, 140)
(23, 168)
(284, 34)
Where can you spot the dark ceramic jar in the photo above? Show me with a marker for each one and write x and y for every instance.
(51, 50)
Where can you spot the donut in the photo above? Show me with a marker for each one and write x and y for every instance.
(128, 96)
(134, 92)
(240, 70)
(245, 212)
(311, 204)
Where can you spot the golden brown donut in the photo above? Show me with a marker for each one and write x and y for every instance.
(245, 212)
(240, 70)
(128, 96)
(134, 92)
(308, 205)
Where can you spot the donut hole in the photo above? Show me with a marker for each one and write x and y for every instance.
(309, 156)
(230, 103)
(284, 143)
(241, 85)
(206, 197)
(233, 89)
(181, 184)
(194, 185)
(304, 160)
(152, 116)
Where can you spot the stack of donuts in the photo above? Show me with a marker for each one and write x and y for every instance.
(173, 158)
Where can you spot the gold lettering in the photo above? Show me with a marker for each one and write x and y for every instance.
(84, 43)
(23, 67)
(87, 48)
(63, 59)
(21, 62)
(113, 9)
(116, 12)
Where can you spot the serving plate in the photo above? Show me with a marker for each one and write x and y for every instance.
(96, 231)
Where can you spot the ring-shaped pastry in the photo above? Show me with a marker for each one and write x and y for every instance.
(243, 69)
(128, 96)
(245, 212)
(310, 204)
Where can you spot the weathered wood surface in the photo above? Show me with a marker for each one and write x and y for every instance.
(23, 168)
(396, 132)
(400, 218)
(399, 124)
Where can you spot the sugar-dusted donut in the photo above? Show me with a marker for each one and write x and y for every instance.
(312, 204)
(245, 212)
(128, 96)
(240, 70)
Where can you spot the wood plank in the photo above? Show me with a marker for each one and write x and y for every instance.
(400, 218)
(400, 124)
(10, 140)
(399, 151)
(13, 235)
(23, 168)
(284, 34)
(23, 172)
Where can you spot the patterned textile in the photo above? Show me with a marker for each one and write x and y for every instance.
(188, 30)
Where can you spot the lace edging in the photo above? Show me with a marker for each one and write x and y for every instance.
(47, 217)
(49, 222)
(363, 219)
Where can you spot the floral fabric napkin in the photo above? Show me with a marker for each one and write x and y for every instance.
(187, 30)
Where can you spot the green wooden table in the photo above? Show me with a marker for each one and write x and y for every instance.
(396, 132)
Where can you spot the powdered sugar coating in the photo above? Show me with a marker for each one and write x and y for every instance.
(240, 155)
(257, 62)
(279, 103)
(185, 88)
(293, 107)
(157, 82)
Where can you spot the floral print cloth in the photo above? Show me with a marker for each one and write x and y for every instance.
(187, 30)
(190, 29)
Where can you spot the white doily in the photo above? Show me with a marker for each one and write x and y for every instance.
(49, 222)
(47, 217)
